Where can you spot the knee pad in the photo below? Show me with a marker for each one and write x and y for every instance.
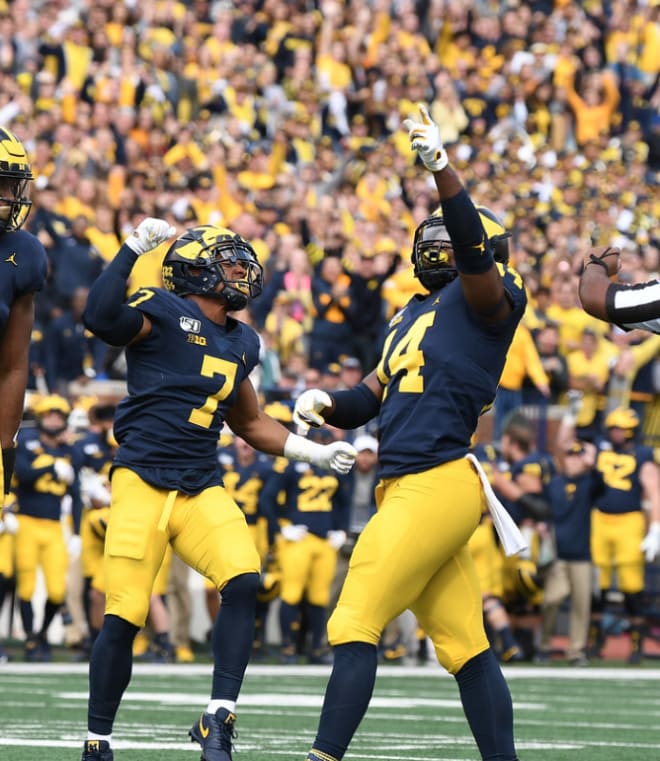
(241, 589)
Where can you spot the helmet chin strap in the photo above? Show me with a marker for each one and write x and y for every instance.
(234, 299)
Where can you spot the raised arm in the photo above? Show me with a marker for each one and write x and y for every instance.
(480, 278)
(106, 314)
(627, 305)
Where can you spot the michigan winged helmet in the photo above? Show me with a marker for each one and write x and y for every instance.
(15, 177)
(197, 262)
(432, 247)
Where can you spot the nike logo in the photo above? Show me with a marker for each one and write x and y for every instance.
(204, 730)
(12, 259)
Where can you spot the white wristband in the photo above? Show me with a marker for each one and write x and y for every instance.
(301, 449)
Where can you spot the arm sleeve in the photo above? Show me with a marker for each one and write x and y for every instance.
(633, 303)
(353, 407)
(107, 315)
(472, 251)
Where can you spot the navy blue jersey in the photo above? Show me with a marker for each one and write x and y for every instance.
(24, 264)
(312, 497)
(535, 464)
(93, 450)
(440, 367)
(245, 483)
(38, 489)
(571, 501)
(182, 380)
(620, 468)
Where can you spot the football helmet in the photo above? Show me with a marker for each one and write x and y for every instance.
(528, 581)
(625, 418)
(269, 586)
(432, 248)
(15, 176)
(194, 264)
(280, 411)
(52, 403)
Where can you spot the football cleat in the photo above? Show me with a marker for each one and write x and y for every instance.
(184, 654)
(214, 732)
(513, 655)
(97, 750)
(318, 755)
(321, 657)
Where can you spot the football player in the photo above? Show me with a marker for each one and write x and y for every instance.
(520, 480)
(314, 527)
(620, 540)
(94, 452)
(489, 561)
(44, 475)
(8, 529)
(629, 306)
(439, 368)
(188, 366)
(245, 472)
(24, 265)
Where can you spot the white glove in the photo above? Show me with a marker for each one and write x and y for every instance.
(650, 545)
(97, 491)
(337, 539)
(64, 471)
(151, 232)
(338, 456)
(574, 399)
(74, 546)
(294, 532)
(309, 404)
(425, 139)
(10, 522)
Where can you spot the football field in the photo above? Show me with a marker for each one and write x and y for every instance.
(591, 714)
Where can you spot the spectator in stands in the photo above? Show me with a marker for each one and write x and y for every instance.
(522, 361)
(75, 262)
(333, 310)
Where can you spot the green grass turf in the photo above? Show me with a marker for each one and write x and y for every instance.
(591, 714)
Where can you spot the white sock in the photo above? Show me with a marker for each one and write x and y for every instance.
(94, 736)
(230, 705)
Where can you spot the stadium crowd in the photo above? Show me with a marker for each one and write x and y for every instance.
(282, 121)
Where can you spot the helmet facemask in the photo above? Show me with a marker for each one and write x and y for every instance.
(15, 203)
(432, 255)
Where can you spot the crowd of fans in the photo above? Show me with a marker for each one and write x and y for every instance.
(282, 120)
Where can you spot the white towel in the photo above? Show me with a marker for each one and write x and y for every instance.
(510, 536)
